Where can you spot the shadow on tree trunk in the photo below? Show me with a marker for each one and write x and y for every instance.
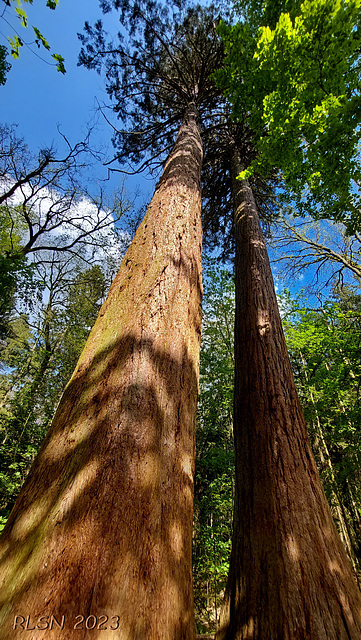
(103, 524)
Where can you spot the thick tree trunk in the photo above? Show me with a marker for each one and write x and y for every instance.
(289, 578)
(101, 534)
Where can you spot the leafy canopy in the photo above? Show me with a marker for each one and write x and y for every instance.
(302, 94)
(37, 359)
(324, 347)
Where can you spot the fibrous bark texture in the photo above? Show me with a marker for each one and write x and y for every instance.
(100, 537)
(289, 578)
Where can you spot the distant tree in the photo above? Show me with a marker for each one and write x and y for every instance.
(45, 207)
(16, 273)
(324, 345)
(37, 361)
(321, 251)
(45, 201)
(214, 479)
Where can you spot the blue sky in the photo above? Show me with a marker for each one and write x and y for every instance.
(39, 99)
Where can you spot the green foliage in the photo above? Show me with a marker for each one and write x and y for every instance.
(244, 82)
(240, 76)
(11, 228)
(16, 273)
(22, 15)
(214, 451)
(17, 42)
(19, 441)
(40, 39)
(37, 360)
(86, 292)
(258, 13)
(16, 276)
(324, 345)
(304, 76)
(60, 62)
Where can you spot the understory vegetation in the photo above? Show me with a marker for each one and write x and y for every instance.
(45, 323)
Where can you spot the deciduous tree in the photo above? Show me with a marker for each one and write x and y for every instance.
(320, 251)
(324, 344)
(45, 202)
(214, 479)
(37, 360)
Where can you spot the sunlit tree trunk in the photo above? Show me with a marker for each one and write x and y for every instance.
(103, 525)
(289, 578)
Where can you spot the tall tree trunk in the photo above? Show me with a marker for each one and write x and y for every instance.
(289, 577)
(103, 524)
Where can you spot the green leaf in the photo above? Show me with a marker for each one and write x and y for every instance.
(22, 15)
(16, 42)
(60, 62)
(40, 39)
(15, 46)
(247, 173)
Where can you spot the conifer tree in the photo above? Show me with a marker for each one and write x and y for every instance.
(289, 575)
(269, 428)
(267, 597)
(101, 532)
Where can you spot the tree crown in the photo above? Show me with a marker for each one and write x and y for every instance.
(306, 112)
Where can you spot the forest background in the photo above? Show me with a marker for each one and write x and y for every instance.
(51, 294)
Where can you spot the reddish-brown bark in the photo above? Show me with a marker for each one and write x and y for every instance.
(103, 524)
(289, 578)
